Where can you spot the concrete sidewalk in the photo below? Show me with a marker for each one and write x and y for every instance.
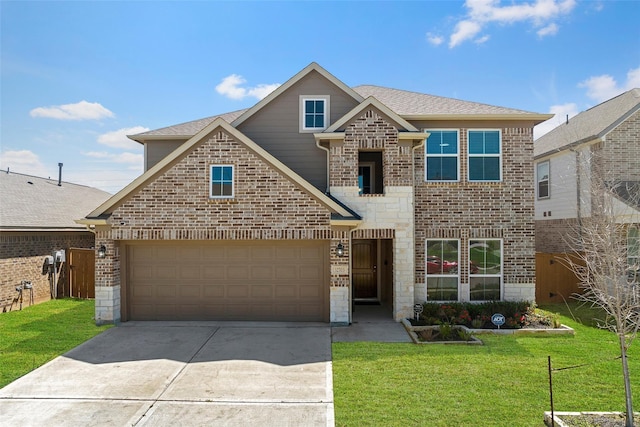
(186, 373)
(371, 323)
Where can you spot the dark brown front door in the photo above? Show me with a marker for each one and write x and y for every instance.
(365, 270)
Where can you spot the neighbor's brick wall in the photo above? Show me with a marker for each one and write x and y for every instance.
(22, 255)
(621, 150)
(552, 235)
(467, 210)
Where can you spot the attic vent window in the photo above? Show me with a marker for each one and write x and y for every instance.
(314, 113)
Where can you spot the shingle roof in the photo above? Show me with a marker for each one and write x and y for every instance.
(402, 102)
(628, 191)
(590, 124)
(32, 203)
(406, 103)
(189, 129)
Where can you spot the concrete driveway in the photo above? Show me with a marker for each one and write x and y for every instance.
(187, 373)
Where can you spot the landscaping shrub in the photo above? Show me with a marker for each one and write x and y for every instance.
(518, 314)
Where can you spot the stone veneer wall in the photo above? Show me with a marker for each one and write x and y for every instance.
(176, 206)
(22, 256)
(393, 210)
(467, 210)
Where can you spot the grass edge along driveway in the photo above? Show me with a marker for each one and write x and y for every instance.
(503, 383)
(39, 333)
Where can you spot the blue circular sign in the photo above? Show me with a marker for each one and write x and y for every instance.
(498, 319)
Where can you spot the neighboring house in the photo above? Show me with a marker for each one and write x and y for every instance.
(603, 140)
(317, 197)
(37, 219)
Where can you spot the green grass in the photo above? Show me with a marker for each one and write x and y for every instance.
(503, 383)
(37, 334)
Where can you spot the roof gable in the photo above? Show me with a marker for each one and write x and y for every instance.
(292, 81)
(589, 125)
(108, 207)
(367, 103)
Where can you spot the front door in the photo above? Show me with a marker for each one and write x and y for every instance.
(365, 269)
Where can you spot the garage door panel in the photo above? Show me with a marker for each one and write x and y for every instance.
(262, 291)
(286, 291)
(190, 291)
(235, 273)
(228, 280)
(190, 272)
(237, 291)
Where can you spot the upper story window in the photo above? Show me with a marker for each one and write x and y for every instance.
(485, 155)
(542, 179)
(370, 172)
(314, 113)
(221, 182)
(441, 155)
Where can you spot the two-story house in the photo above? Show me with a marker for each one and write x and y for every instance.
(601, 142)
(319, 196)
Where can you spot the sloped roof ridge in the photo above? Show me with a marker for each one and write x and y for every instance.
(594, 122)
(447, 105)
(49, 179)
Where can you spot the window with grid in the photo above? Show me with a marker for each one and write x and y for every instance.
(221, 183)
(633, 252)
(441, 155)
(485, 155)
(314, 113)
(542, 177)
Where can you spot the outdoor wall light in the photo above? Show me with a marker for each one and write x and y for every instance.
(102, 251)
(340, 250)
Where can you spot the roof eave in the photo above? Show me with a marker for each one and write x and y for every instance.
(144, 138)
(534, 117)
(590, 140)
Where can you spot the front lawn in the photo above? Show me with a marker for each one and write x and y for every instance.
(37, 334)
(503, 383)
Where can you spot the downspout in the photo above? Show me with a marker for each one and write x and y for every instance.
(328, 152)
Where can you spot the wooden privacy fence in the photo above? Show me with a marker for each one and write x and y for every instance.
(555, 281)
(82, 272)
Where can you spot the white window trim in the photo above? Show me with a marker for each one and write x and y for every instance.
(501, 275)
(326, 99)
(427, 276)
(233, 181)
(372, 177)
(469, 156)
(457, 131)
(548, 180)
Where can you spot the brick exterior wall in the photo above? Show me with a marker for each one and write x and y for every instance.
(551, 235)
(385, 216)
(621, 150)
(468, 210)
(176, 206)
(22, 255)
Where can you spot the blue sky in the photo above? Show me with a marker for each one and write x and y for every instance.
(78, 76)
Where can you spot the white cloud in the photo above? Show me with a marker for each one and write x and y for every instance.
(82, 110)
(22, 161)
(434, 39)
(118, 138)
(231, 87)
(480, 13)
(465, 30)
(549, 30)
(561, 112)
(126, 157)
(604, 87)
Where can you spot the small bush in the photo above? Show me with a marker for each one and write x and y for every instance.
(518, 314)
